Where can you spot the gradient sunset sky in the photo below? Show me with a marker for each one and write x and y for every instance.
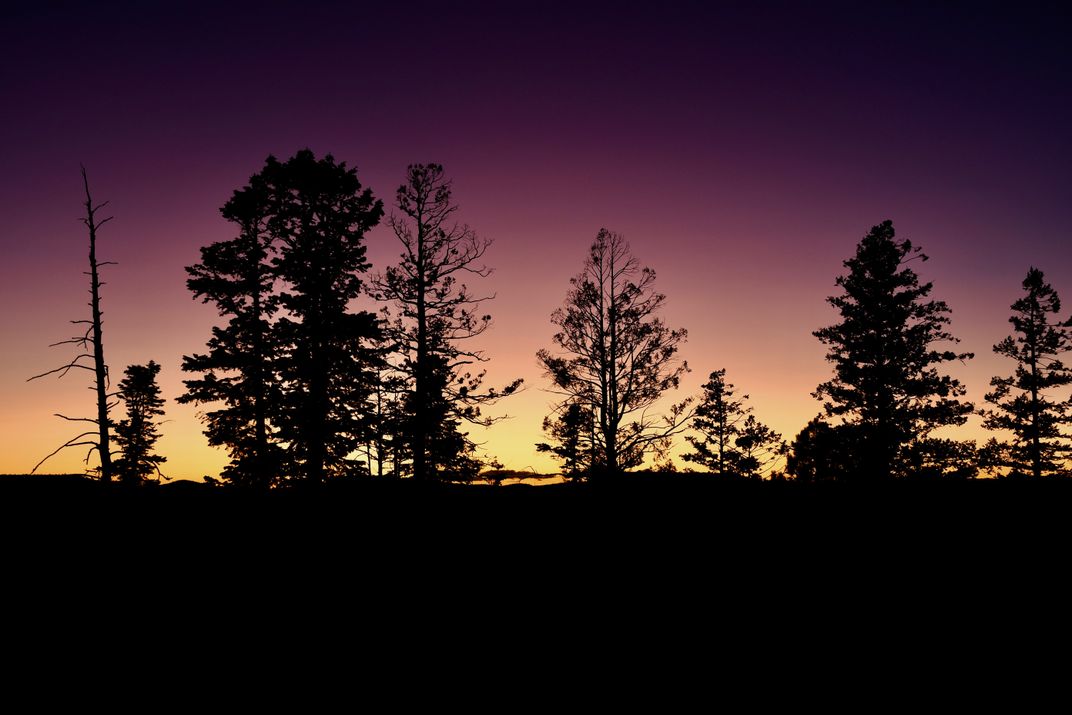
(742, 148)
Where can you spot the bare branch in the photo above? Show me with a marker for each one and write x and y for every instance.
(65, 369)
(74, 419)
(69, 443)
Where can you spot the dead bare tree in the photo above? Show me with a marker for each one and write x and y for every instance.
(92, 348)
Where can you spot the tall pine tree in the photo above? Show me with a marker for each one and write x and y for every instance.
(1023, 402)
(328, 352)
(437, 317)
(619, 358)
(886, 354)
(239, 373)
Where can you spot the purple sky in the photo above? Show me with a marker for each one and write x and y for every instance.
(742, 149)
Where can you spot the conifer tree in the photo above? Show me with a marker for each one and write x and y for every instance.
(327, 353)
(571, 430)
(886, 354)
(729, 440)
(437, 317)
(618, 357)
(386, 446)
(823, 452)
(1024, 403)
(136, 435)
(239, 374)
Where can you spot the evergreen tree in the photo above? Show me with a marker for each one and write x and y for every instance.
(136, 435)
(1023, 402)
(619, 357)
(933, 458)
(571, 430)
(823, 452)
(437, 315)
(729, 440)
(327, 353)
(885, 355)
(239, 369)
(759, 447)
(717, 422)
(385, 449)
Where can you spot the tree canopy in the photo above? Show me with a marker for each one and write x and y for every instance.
(239, 373)
(1023, 403)
(728, 439)
(886, 354)
(617, 357)
(136, 435)
(436, 316)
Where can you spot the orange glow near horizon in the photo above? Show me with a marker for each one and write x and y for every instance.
(742, 151)
(767, 349)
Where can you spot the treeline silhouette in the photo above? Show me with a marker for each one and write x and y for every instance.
(302, 388)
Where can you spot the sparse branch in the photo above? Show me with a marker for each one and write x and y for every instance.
(69, 443)
(74, 419)
(91, 341)
(619, 357)
(435, 313)
(63, 370)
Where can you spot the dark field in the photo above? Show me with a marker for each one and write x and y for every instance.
(664, 504)
(755, 548)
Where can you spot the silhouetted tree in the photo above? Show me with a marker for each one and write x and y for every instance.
(716, 421)
(619, 358)
(942, 458)
(571, 430)
(436, 315)
(92, 345)
(327, 353)
(760, 448)
(137, 434)
(386, 450)
(824, 452)
(884, 353)
(1023, 407)
(239, 370)
(730, 441)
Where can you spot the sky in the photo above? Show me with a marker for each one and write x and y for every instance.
(742, 148)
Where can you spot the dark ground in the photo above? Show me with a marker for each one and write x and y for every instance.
(692, 509)
(768, 574)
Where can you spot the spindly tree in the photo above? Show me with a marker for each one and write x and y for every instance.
(386, 446)
(886, 354)
(618, 357)
(729, 440)
(436, 317)
(327, 352)
(136, 435)
(1024, 404)
(91, 344)
(239, 377)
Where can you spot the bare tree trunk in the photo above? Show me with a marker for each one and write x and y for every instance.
(100, 370)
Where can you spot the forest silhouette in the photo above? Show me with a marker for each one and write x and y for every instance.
(302, 390)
